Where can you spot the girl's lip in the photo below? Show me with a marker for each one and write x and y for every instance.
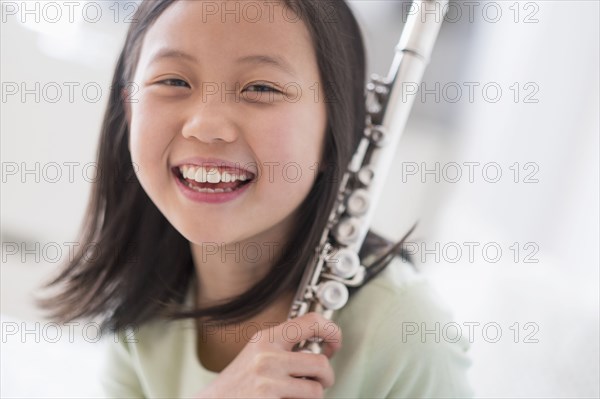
(212, 198)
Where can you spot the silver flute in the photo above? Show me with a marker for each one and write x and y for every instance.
(336, 264)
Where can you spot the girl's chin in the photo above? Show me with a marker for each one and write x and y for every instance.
(204, 227)
(214, 240)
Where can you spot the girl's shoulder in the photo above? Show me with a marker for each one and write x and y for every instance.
(399, 340)
(398, 287)
(397, 303)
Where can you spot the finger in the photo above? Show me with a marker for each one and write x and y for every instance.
(310, 325)
(296, 388)
(311, 365)
(329, 349)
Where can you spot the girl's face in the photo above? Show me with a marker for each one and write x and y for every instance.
(232, 85)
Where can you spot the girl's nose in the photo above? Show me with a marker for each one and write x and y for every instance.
(210, 122)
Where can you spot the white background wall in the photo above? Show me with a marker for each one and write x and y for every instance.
(556, 53)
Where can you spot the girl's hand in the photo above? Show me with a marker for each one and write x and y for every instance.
(267, 367)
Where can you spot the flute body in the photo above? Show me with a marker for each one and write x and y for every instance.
(336, 264)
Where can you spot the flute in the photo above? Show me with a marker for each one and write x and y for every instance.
(336, 264)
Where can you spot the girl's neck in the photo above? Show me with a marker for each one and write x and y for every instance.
(226, 271)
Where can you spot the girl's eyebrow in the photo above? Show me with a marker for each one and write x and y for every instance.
(256, 59)
(275, 61)
(167, 52)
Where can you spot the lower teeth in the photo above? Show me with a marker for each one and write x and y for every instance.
(209, 190)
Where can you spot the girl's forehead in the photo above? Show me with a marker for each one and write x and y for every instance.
(230, 30)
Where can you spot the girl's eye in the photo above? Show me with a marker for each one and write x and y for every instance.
(174, 82)
(260, 88)
(261, 93)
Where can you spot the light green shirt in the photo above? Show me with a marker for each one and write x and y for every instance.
(390, 348)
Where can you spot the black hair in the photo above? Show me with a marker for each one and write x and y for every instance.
(142, 265)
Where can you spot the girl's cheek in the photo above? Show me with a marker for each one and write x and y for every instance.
(150, 122)
(276, 140)
(289, 159)
(147, 146)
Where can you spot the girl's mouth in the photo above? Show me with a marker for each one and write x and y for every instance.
(212, 180)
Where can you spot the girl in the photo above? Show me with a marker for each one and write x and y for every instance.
(221, 152)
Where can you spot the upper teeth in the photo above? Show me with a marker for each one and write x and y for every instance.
(211, 174)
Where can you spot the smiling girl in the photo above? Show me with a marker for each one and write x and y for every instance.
(221, 153)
